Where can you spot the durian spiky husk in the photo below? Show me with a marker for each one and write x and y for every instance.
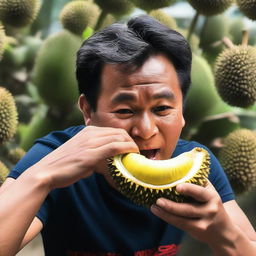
(8, 115)
(18, 13)
(4, 171)
(77, 15)
(211, 7)
(115, 7)
(235, 75)
(149, 5)
(164, 18)
(238, 158)
(248, 8)
(146, 181)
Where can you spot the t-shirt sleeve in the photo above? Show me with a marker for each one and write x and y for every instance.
(39, 150)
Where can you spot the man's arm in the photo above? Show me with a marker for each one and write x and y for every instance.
(78, 158)
(224, 227)
(20, 200)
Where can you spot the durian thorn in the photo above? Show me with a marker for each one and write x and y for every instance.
(245, 37)
(227, 42)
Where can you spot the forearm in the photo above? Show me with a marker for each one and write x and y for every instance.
(19, 203)
(234, 242)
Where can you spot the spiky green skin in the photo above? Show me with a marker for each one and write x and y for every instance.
(77, 15)
(4, 171)
(235, 76)
(2, 39)
(149, 5)
(210, 7)
(146, 197)
(164, 18)
(116, 7)
(18, 13)
(8, 115)
(238, 159)
(248, 8)
(54, 73)
(15, 155)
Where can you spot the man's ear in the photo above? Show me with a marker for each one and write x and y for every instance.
(85, 109)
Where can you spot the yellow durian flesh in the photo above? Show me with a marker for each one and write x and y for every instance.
(156, 172)
(144, 180)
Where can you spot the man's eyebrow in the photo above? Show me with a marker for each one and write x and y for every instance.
(124, 96)
(164, 94)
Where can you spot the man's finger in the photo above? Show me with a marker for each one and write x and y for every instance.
(199, 193)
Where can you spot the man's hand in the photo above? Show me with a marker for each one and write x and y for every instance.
(204, 218)
(82, 155)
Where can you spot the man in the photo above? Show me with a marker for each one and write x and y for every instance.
(133, 79)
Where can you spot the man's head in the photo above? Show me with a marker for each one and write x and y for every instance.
(139, 80)
(130, 45)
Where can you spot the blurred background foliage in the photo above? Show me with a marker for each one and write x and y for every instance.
(38, 91)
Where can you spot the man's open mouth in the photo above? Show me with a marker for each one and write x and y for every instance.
(150, 153)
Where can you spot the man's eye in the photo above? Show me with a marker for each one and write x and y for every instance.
(124, 111)
(162, 110)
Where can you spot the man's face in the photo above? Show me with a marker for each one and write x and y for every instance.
(146, 103)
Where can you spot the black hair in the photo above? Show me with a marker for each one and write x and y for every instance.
(130, 44)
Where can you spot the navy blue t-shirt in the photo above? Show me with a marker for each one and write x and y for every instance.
(92, 218)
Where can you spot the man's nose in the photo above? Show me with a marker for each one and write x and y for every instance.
(144, 127)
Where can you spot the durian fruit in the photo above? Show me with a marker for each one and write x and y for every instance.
(202, 83)
(236, 27)
(15, 155)
(149, 5)
(235, 75)
(144, 180)
(164, 18)
(54, 71)
(18, 13)
(213, 30)
(211, 7)
(115, 7)
(238, 158)
(8, 115)
(2, 41)
(4, 171)
(76, 16)
(248, 8)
